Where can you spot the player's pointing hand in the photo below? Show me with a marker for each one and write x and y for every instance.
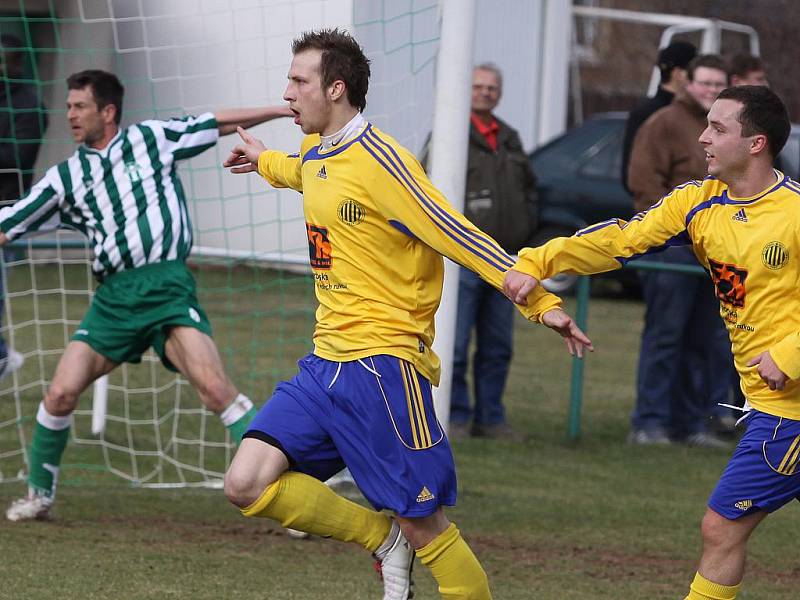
(517, 286)
(244, 156)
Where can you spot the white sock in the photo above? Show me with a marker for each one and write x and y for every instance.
(52, 422)
(240, 406)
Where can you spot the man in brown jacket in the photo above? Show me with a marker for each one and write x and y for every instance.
(685, 365)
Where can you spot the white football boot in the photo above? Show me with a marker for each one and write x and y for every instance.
(33, 507)
(395, 560)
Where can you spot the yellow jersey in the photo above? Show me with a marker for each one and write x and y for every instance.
(751, 249)
(377, 228)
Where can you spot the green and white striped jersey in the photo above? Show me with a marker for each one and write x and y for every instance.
(127, 198)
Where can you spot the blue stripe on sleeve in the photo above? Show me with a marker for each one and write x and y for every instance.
(500, 254)
(680, 239)
(597, 226)
(387, 163)
(721, 199)
(437, 213)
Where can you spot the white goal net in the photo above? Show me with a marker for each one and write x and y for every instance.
(179, 57)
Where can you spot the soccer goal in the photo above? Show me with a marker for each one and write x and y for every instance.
(179, 57)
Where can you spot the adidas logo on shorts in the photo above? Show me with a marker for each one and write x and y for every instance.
(425, 495)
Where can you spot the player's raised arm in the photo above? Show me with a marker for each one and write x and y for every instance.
(230, 119)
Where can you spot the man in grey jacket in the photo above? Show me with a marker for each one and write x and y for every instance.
(500, 200)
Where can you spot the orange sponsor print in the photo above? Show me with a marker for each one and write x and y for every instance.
(319, 247)
(729, 282)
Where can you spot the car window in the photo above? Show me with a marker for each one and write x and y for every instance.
(566, 153)
(604, 159)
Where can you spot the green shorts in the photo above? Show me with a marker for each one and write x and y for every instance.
(133, 310)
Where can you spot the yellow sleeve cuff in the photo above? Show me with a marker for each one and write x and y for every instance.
(540, 301)
(264, 164)
(527, 264)
(786, 355)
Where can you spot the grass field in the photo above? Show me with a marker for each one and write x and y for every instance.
(549, 519)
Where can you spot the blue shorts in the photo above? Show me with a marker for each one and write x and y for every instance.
(373, 415)
(763, 472)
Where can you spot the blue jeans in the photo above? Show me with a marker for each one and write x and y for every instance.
(685, 364)
(491, 314)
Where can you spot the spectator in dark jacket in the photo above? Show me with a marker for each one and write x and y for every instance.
(500, 200)
(672, 63)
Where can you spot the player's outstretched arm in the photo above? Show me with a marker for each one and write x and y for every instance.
(3, 239)
(244, 155)
(229, 119)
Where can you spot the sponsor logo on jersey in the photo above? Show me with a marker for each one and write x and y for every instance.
(774, 255)
(319, 246)
(322, 173)
(744, 504)
(728, 282)
(740, 216)
(82, 332)
(134, 172)
(194, 315)
(425, 495)
(351, 212)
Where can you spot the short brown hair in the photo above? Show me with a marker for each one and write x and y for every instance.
(106, 88)
(342, 59)
(763, 113)
(742, 64)
(709, 61)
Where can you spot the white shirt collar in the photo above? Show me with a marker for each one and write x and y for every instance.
(349, 131)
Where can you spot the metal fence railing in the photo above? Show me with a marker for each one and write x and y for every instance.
(581, 317)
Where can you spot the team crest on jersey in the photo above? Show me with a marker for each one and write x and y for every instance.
(729, 282)
(774, 255)
(134, 172)
(88, 182)
(351, 212)
(319, 247)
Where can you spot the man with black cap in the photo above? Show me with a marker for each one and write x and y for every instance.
(22, 124)
(672, 62)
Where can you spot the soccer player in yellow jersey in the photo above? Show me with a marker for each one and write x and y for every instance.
(376, 231)
(742, 222)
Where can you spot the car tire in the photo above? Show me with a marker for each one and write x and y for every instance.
(562, 284)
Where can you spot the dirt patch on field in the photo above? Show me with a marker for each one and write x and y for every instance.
(608, 563)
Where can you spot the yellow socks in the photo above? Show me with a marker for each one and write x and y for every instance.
(703, 589)
(455, 568)
(302, 502)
